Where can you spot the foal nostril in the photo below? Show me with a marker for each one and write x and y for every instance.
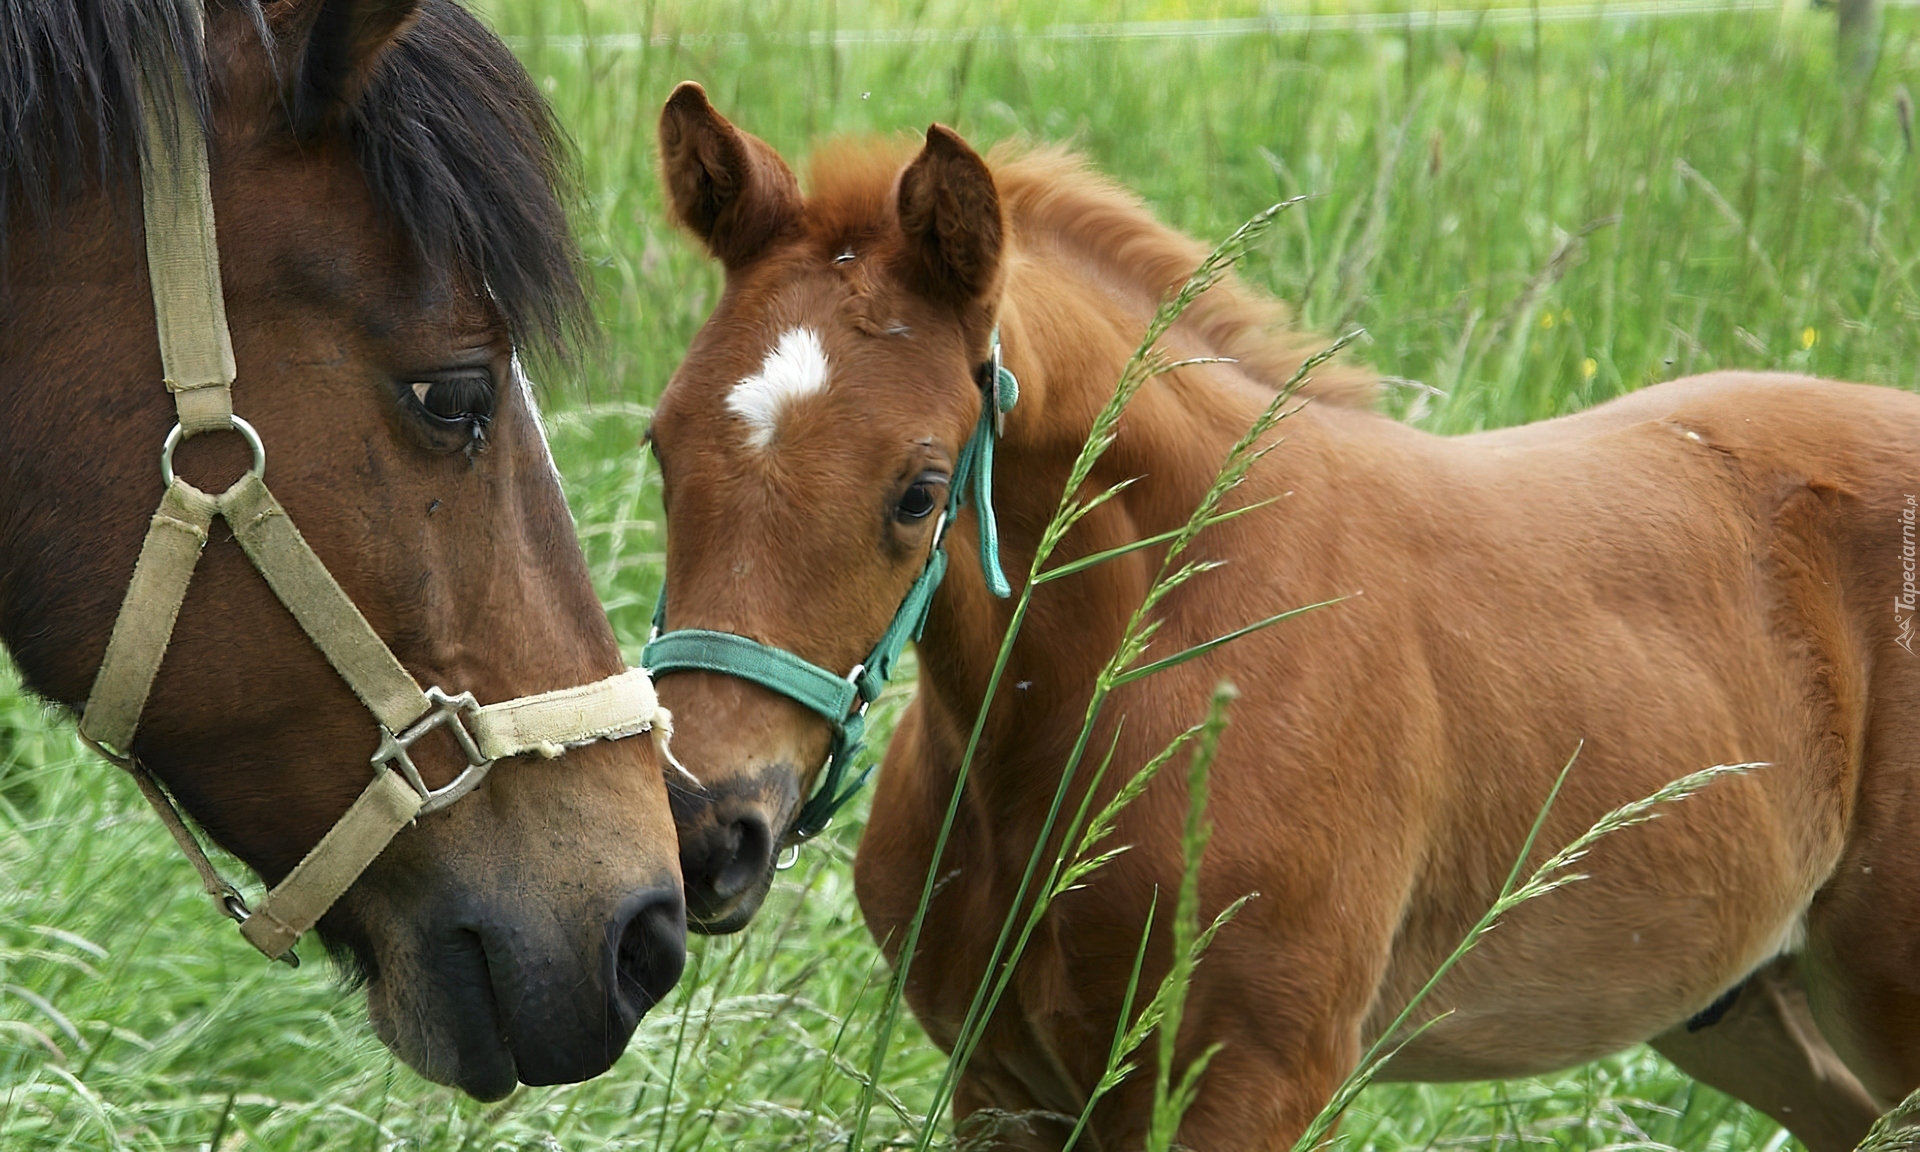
(726, 851)
(746, 852)
(649, 939)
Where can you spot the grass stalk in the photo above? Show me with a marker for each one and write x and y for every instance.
(1898, 1130)
(1171, 1097)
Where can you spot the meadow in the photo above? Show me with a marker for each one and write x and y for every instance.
(1528, 212)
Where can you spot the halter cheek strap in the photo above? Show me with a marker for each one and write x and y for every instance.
(842, 700)
(183, 264)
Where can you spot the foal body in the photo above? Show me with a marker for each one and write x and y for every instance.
(1701, 573)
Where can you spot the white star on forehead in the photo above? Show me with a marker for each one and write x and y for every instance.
(795, 368)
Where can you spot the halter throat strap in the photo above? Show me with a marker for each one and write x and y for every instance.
(842, 699)
(196, 351)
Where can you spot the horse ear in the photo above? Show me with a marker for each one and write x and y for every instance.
(950, 211)
(335, 46)
(729, 188)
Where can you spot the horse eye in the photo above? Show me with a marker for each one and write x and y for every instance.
(456, 398)
(917, 502)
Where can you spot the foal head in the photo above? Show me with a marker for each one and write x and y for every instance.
(384, 186)
(807, 445)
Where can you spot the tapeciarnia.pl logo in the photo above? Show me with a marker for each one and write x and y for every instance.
(1906, 604)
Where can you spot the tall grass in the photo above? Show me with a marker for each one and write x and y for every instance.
(1526, 219)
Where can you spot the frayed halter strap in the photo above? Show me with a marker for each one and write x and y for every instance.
(842, 699)
(183, 264)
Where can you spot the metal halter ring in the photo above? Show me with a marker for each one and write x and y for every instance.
(234, 905)
(993, 387)
(447, 711)
(245, 429)
(795, 840)
(853, 678)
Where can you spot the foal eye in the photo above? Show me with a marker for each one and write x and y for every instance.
(456, 398)
(918, 501)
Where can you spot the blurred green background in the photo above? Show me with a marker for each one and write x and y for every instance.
(1530, 210)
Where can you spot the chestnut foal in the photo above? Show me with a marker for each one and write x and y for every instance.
(1699, 573)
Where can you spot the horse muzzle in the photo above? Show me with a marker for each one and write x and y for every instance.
(498, 995)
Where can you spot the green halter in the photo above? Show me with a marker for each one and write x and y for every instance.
(843, 700)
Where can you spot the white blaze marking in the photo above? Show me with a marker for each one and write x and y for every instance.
(797, 367)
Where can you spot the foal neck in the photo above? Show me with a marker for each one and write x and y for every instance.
(1067, 334)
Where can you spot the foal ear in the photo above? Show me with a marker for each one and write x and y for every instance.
(950, 212)
(335, 45)
(729, 188)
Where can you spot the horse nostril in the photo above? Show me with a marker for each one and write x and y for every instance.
(746, 854)
(649, 937)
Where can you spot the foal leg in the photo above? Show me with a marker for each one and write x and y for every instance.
(1277, 1065)
(996, 1115)
(1249, 1104)
(1862, 968)
(1863, 930)
(1015, 1096)
(1767, 1051)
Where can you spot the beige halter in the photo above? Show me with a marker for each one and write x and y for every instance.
(183, 264)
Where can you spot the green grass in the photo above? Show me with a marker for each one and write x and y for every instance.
(1529, 218)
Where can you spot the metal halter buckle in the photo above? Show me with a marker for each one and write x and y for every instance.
(447, 711)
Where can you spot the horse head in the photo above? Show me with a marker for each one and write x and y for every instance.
(811, 448)
(386, 184)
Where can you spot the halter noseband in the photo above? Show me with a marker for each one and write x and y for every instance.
(183, 265)
(842, 700)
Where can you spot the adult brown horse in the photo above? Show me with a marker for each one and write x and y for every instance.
(1703, 572)
(384, 179)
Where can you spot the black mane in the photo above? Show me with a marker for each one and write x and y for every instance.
(459, 149)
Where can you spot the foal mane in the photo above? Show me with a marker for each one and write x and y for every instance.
(460, 151)
(1053, 197)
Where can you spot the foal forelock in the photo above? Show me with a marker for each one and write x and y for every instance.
(460, 151)
(795, 368)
